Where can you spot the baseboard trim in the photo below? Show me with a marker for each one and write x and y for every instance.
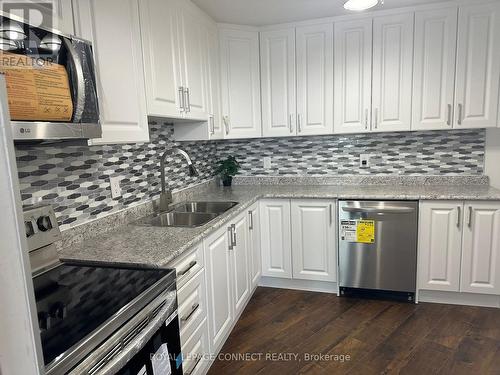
(307, 285)
(454, 298)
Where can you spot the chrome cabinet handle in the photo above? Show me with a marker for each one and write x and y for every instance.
(230, 230)
(189, 372)
(225, 119)
(290, 121)
(193, 310)
(233, 226)
(366, 119)
(376, 118)
(181, 99)
(448, 120)
(187, 269)
(469, 220)
(188, 101)
(299, 122)
(212, 124)
(459, 120)
(459, 214)
(250, 225)
(331, 214)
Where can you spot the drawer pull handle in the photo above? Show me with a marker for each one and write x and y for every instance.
(189, 372)
(188, 268)
(193, 309)
(250, 225)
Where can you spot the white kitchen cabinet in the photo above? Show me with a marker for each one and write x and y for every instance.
(392, 72)
(277, 64)
(162, 69)
(434, 69)
(440, 244)
(254, 244)
(240, 83)
(353, 75)
(478, 66)
(314, 71)
(213, 83)
(313, 239)
(111, 25)
(481, 248)
(276, 250)
(196, 352)
(219, 287)
(240, 263)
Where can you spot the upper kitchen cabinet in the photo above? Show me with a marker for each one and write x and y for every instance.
(174, 42)
(478, 66)
(392, 72)
(434, 69)
(240, 82)
(277, 63)
(113, 28)
(314, 57)
(353, 82)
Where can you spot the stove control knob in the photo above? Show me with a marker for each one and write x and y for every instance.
(30, 230)
(44, 223)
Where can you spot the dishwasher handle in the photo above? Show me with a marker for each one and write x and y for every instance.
(375, 209)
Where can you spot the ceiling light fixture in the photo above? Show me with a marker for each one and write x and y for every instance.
(358, 5)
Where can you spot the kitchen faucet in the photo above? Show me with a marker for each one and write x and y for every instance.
(166, 195)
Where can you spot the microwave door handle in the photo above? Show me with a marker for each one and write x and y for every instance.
(80, 80)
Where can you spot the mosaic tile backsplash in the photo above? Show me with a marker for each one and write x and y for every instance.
(75, 179)
(410, 153)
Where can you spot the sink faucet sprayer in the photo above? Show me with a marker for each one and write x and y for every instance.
(166, 195)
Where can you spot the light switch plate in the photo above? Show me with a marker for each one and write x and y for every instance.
(267, 162)
(364, 160)
(116, 190)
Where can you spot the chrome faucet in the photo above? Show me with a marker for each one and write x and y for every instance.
(166, 195)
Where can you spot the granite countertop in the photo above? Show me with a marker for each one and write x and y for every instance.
(130, 244)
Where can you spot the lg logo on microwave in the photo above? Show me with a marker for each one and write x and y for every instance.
(24, 130)
(36, 13)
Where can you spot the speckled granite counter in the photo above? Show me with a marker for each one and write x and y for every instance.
(156, 247)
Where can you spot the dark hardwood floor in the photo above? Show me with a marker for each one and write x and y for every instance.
(379, 337)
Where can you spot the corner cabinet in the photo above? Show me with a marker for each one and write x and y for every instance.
(240, 82)
(111, 25)
(459, 247)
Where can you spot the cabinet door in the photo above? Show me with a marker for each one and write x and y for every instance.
(481, 248)
(240, 259)
(213, 83)
(277, 63)
(440, 244)
(276, 248)
(219, 290)
(111, 25)
(254, 244)
(314, 79)
(240, 83)
(353, 76)
(478, 66)
(162, 70)
(392, 72)
(193, 61)
(434, 69)
(313, 239)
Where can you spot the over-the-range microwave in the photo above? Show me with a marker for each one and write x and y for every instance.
(51, 83)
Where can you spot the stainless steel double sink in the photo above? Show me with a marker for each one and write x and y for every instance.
(187, 214)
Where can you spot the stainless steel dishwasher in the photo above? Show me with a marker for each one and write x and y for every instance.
(378, 247)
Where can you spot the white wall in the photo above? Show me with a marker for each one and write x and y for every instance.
(492, 161)
(20, 349)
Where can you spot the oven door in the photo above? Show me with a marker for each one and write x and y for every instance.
(51, 84)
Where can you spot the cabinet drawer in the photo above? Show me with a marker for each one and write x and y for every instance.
(192, 305)
(187, 266)
(195, 351)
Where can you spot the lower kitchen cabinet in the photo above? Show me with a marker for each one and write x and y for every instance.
(240, 264)
(254, 244)
(459, 247)
(195, 351)
(313, 239)
(276, 247)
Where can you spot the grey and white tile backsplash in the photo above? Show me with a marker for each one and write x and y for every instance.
(459, 152)
(75, 179)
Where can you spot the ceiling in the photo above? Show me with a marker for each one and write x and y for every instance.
(268, 12)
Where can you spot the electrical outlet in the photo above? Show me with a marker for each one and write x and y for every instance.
(116, 190)
(364, 160)
(267, 162)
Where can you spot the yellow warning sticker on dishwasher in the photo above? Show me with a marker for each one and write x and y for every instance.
(365, 231)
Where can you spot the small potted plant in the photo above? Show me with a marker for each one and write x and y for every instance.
(226, 169)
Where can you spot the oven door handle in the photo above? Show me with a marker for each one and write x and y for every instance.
(80, 80)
